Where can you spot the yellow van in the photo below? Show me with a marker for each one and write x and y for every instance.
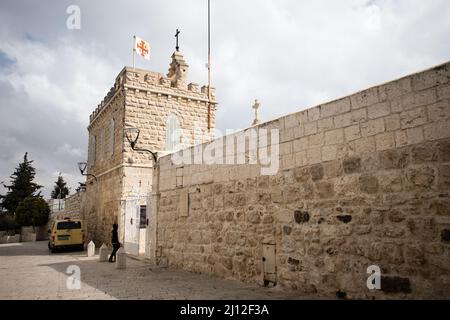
(67, 233)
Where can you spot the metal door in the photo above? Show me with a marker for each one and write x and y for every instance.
(269, 263)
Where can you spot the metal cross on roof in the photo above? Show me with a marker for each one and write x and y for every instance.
(176, 36)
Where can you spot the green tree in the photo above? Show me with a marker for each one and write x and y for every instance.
(60, 190)
(22, 185)
(32, 211)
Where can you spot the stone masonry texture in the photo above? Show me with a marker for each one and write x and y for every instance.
(363, 180)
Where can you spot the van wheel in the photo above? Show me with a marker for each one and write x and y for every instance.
(81, 247)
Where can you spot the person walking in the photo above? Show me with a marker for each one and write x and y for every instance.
(115, 242)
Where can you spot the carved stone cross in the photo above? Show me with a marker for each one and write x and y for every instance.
(256, 107)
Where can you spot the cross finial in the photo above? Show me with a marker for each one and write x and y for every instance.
(256, 107)
(176, 36)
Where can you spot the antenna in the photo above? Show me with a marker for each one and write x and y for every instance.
(209, 65)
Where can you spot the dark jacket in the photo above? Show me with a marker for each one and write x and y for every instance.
(115, 237)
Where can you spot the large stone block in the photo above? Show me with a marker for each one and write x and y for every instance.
(372, 127)
(420, 177)
(413, 118)
(364, 98)
(335, 107)
(334, 136)
(378, 110)
(368, 183)
(431, 78)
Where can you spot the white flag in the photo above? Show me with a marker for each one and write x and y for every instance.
(142, 47)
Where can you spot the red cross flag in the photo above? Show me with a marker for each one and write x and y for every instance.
(142, 47)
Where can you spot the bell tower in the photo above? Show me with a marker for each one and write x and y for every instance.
(170, 114)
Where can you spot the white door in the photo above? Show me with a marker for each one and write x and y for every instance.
(131, 244)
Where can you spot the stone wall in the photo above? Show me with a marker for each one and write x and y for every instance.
(363, 180)
(72, 207)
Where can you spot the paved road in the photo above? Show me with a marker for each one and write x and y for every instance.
(29, 271)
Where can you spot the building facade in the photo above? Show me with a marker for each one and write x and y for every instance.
(169, 114)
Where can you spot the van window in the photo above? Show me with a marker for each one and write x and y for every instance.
(68, 225)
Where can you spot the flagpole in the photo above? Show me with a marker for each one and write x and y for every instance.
(209, 68)
(134, 50)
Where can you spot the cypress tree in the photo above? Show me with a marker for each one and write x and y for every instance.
(21, 186)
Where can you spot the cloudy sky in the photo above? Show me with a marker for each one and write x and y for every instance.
(290, 54)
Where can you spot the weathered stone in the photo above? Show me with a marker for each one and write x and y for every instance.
(444, 150)
(445, 235)
(253, 217)
(423, 228)
(440, 207)
(396, 216)
(291, 194)
(368, 184)
(423, 153)
(413, 118)
(351, 165)
(315, 250)
(293, 261)
(421, 177)
(325, 189)
(390, 182)
(287, 230)
(394, 159)
(375, 252)
(414, 255)
(332, 169)
(341, 294)
(301, 216)
(444, 177)
(344, 218)
(316, 172)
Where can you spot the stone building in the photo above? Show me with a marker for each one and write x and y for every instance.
(170, 114)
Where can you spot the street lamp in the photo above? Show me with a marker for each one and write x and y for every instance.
(132, 135)
(82, 167)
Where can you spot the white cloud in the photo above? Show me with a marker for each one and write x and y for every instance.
(67, 149)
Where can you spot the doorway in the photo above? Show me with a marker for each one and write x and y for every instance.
(269, 264)
(135, 222)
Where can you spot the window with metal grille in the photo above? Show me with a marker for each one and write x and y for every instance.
(143, 217)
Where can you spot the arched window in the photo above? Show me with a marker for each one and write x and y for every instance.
(172, 133)
(91, 151)
(101, 144)
(111, 136)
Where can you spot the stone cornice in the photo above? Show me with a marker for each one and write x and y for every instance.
(171, 94)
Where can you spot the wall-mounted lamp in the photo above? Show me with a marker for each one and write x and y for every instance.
(82, 167)
(132, 135)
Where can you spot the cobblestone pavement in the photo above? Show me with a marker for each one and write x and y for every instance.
(29, 271)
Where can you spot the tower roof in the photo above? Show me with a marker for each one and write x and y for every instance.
(178, 69)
